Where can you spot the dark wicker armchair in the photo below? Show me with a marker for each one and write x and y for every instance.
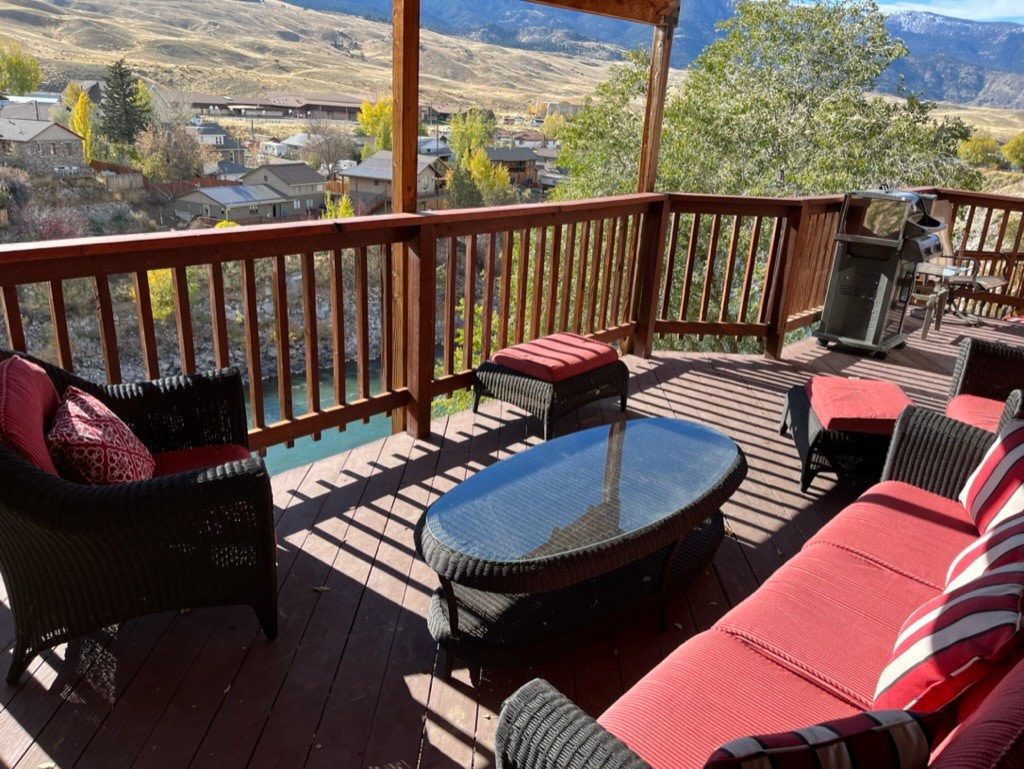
(78, 558)
(989, 369)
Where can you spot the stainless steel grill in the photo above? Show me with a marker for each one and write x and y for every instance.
(881, 238)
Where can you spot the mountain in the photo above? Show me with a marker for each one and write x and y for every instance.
(954, 60)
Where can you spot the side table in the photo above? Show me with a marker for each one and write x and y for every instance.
(842, 425)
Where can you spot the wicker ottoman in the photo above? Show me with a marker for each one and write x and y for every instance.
(552, 376)
(842, 425)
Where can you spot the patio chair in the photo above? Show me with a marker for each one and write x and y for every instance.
(76, 558)
(985, 389)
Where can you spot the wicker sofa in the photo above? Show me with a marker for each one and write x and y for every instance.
(76, 558)
(808, 646)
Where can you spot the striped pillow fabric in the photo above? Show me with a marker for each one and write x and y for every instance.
(995, 490)
(953, 640)
(1002, 545)
(888, 739)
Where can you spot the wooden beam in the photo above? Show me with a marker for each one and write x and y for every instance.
(646, 11)
(657, 88)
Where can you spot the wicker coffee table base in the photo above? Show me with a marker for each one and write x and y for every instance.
(499, 629)
(550, 401)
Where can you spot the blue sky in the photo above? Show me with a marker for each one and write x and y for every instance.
(990, 10)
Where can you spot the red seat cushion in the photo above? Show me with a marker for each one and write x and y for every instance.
(702, 695)
(28, 401)
(977, 411)
(90, 443)
(183, 460)
(857, 405)
(556, 357)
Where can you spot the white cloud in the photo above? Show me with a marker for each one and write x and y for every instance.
(961, 9)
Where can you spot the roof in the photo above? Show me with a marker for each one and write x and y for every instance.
(227, 167)
(300, 140)
(211, 129)
(30, 110)
(529, 135)
(378, 166)
(290, 173)
(243, 195)
(428, 145)
(510, 154)
(26, 130)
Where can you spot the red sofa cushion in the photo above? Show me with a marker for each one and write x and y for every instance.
(952, 641)
(831, 616)
(28, 401)
(903, 528)
(90, 443)
(701, 695)
(556, 357)
(856, 405)
(977, 411)
(995, 490)
(183, 460)
(888, 739)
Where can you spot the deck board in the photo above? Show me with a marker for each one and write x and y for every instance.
(353, 679)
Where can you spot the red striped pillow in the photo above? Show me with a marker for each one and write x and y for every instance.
(951, 641)
(1002, 545)
(888, 739)
(995, 490)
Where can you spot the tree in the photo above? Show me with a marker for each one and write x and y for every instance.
(337, 207)
(462, 190)
(471, 131)
(554, 125)
(980, 149)
(169, 152)
(81, 123)
(1013, 150)
(491, 179)
(375, 122)
(61, 111)
(125, 114)
(19, 72)
(326, 144)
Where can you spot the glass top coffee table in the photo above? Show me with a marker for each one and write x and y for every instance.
(539, 551)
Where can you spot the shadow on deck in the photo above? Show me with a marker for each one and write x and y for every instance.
(353, 679)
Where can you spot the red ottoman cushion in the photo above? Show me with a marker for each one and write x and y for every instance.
(28, 401)
(977, 411)
(170, 462)
(856, 405)
(556, 357)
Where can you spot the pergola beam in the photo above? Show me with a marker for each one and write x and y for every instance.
(656, 12)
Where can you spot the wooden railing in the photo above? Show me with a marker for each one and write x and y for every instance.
(431, 295)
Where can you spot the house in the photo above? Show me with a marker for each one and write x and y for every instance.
(41, 146)
(297, 182)
(370, 182)
(529, 138)
(521, 163)
(438, 113)
(94, 89)
(215, 137)
(435, 147)
(237, 203)
(335, 106)
(230, 171)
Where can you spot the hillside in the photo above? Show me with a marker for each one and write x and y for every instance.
(230, 46)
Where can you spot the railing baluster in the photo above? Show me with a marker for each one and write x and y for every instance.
(709, 268)
(386, 311)
(147, 329)
(108, 329)
(619, 272)
(469, 305)
(967, 231)
(570, 253)
(556, 257)
(12, 318)
(362, 327)
(59, 318)
(581, 274)
(523, 272)
(631, 278)
(449, 308)
(595, 273)
(748, 273)
(183, 319)
(1004, 220)
(311, 336)
(252, 344)
(606, 273)
(338, 329)
(691, 259)
(504, 302)
(488, 300)
(537, 295)
(218, 317)
(668, 276)
(730, 267)
(983, 238)
(774, 249)
(283, 343)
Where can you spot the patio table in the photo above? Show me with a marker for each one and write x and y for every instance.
(542, 550)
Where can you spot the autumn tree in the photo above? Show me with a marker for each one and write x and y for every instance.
(125, 109)
(169, 152)
(462, 190)
(375, 122)
(491, 179)
(19, 72)
(553, 126)
(471, 131)
(1013, 150)
(326, 143)
(981, 149)
(337, 207)
(81, 122)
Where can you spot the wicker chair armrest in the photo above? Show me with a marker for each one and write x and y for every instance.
(1013, 406)
(183, 412)
(539, 728)
(57, 506)
(987, 368)
(933, 452)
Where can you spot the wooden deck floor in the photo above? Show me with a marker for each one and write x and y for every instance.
(350, 681)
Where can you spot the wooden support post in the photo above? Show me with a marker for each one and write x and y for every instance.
(405, 74)
(657, 87)
(786, 268)
(422, 271)
(649, 255)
